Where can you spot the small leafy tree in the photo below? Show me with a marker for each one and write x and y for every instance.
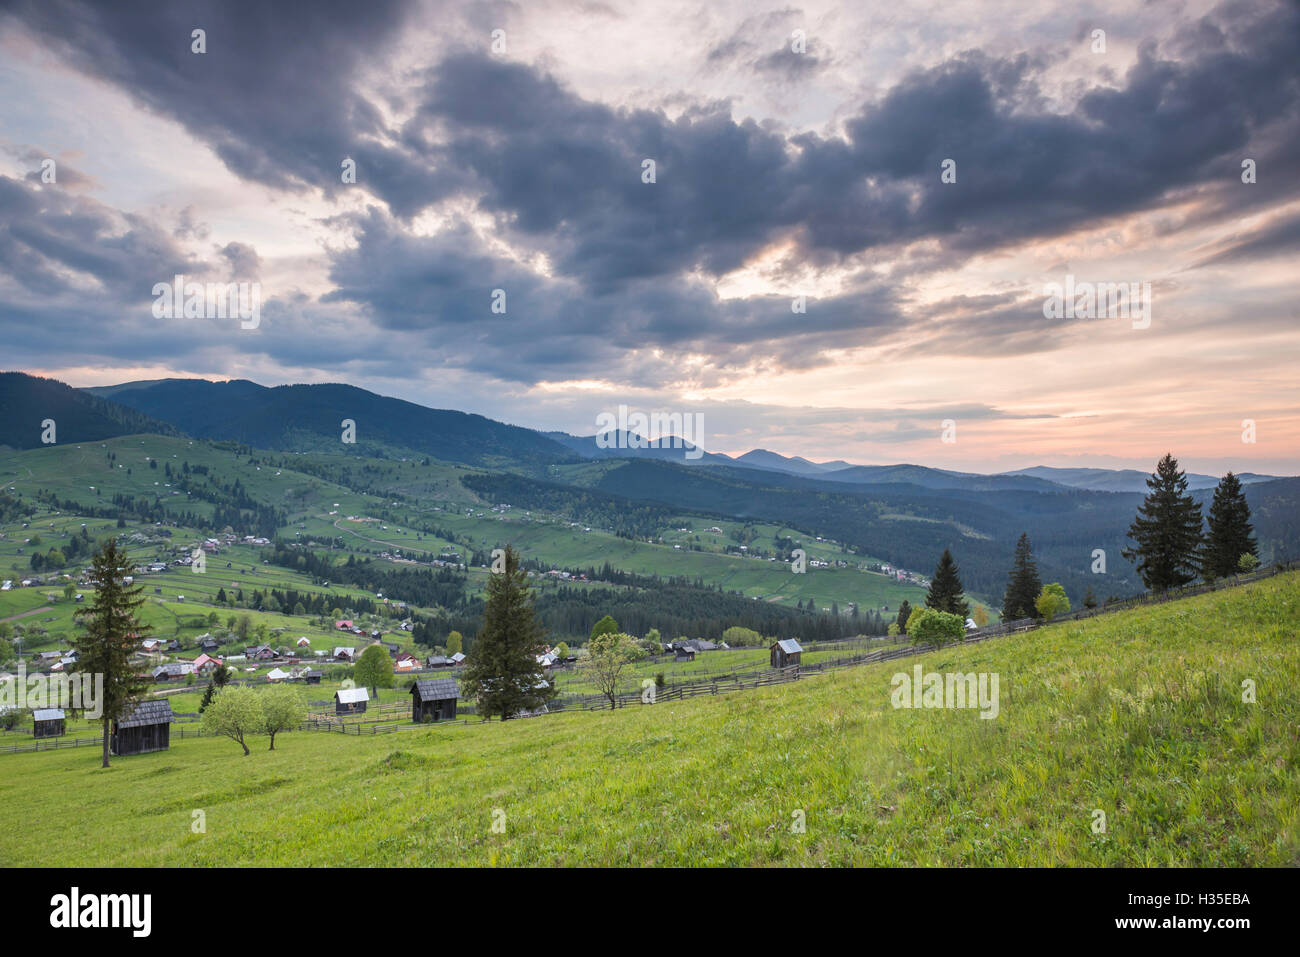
(1247, 563)
(236, 714)
(374, 669)
(736, 636)
(609, 657)
(606, 626)
(455, 643)
(929, 626)
(283, 709)
(1052, 601)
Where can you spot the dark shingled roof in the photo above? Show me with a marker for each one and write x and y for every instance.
(436, 689)
(149, 712)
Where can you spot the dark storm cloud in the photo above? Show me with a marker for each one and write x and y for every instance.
(275, 93)
(52, 242)
(442, 285)
(562, 173)
(276, 97)
(279, 97)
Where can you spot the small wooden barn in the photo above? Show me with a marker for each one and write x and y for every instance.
(351, 700)
(148, 728)
(785, 653)
(683, 652)
(47, 723)
(312, 677)
(434, 700)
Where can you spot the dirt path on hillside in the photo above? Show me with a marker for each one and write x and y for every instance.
(26, 614)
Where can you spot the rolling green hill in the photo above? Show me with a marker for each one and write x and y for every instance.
(1138, 715)
(26, 402)
(299, 417)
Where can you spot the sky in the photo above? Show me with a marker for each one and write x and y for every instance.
(857, 219)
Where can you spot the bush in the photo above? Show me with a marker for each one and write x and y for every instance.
(735, 636)
(928, 626)
(1052, 601)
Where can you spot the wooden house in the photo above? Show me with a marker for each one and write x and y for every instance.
(312, 677)
(173, 671)
(148, 728)
(351, 700)
(47, 723)
(434, 700)
(785, 653)
(345, 654)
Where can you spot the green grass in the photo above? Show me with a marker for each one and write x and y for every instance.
(1138, 714)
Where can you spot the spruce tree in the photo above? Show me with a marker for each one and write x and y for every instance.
(1167, 530)
(904, 611)
(1230, 532)
(1023, 586)
(502, 671)
(945, 592)
(112, 635)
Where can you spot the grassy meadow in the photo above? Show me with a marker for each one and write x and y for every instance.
(1139, 715)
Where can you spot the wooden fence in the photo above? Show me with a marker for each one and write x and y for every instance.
(77, 741)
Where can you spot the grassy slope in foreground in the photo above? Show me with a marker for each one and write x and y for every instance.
(1138, 714)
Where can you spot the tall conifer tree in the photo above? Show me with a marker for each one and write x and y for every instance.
(503, 672)
(1024, 584)
(112, 635)
(1167, 530)
(945, 592)
(1230, 533)
(904, 612)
